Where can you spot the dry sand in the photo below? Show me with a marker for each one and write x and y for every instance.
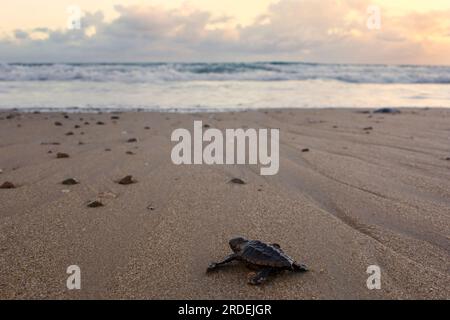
(358, 197)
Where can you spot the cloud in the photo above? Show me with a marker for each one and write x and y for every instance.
(307, 30)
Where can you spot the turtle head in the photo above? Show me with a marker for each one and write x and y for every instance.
(237, 243)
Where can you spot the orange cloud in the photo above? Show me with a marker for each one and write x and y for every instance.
(333, 31)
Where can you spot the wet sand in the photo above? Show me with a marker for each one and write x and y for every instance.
(359, 197)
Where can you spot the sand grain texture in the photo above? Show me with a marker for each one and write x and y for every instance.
(358, 197)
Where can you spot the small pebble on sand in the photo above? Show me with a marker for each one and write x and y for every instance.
(58, 124)
(95, 204)
(237, 181)
(62, 155)
(7, 185)
(387, 110)
(305, 150)
(50, 143)
(132, 140)
(70, 182)
(126, 180)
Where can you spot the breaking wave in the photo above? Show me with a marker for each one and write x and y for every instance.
(262, 71)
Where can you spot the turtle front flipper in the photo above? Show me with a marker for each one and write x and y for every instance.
(299, 267)
(261, 276)
(214, 265)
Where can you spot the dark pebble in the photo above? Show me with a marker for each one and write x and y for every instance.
(387, 110)
(50, 143)
(237, 181)
(7, 185)
(70, 182)
(305, 150)
(132, 140)
(126, 180)
(58, 124)
(95, 204)
(61, 155)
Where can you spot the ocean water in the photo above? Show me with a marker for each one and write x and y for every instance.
(187, 87)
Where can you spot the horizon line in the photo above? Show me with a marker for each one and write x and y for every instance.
(224, 62)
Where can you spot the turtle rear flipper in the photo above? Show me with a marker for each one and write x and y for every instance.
(261, 276)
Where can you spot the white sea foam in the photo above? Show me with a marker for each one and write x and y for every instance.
(220, 87)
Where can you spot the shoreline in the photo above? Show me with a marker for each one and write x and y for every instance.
(101, 110)
(358, 197)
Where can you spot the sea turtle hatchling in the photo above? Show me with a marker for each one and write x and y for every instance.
(267, 258)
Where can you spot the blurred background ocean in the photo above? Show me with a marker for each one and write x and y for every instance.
(188, 87)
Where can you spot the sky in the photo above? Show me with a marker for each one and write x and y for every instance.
(328, 31)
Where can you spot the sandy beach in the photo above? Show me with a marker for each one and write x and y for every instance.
(373, 189)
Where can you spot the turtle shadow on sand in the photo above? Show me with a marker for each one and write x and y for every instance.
(266, 259)
(237, 272)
